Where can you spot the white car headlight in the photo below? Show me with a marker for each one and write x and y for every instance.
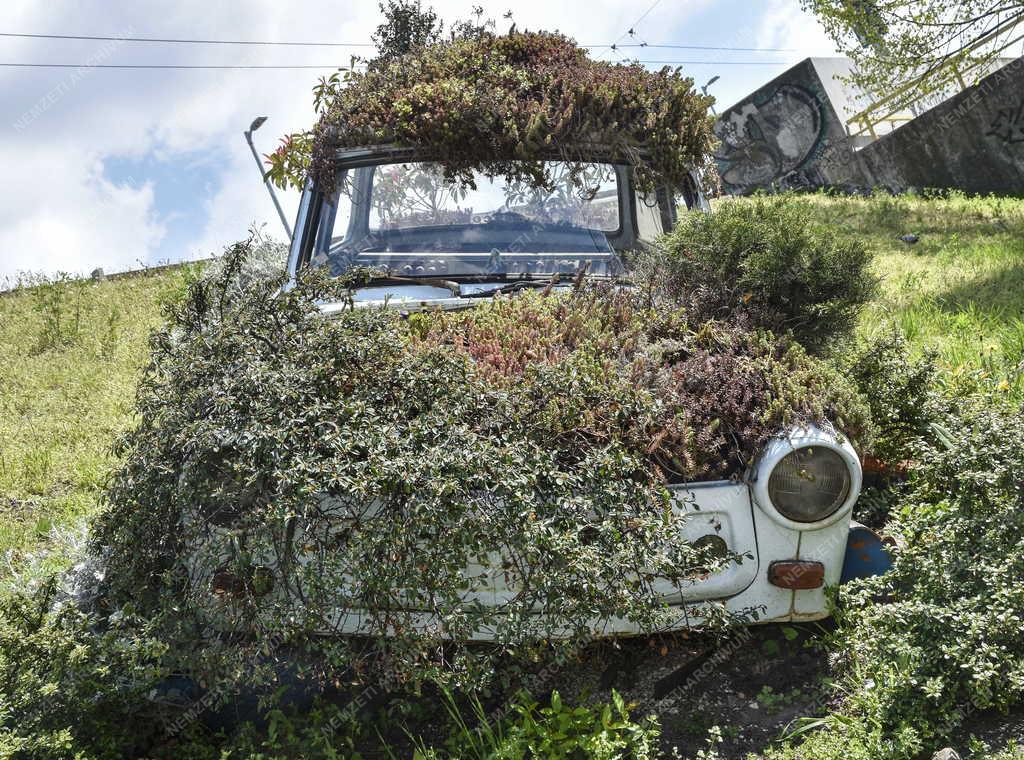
(809, 484)
(809, 478)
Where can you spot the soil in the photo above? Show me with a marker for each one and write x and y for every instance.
(752, 684)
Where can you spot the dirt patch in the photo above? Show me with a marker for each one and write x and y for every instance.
(993, 728)
(752, 684)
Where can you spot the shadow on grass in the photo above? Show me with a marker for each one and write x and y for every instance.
(997, 295)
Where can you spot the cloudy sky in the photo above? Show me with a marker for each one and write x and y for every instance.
(119, 168)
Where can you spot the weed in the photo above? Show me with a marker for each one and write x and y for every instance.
(58, 301)
(556, 730)
(774, 702)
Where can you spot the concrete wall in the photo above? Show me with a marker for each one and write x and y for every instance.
(974, 142)
(789, 133)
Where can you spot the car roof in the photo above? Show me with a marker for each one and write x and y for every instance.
(347, 158)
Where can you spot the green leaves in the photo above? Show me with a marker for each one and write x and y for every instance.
(941, 635)
(558, 730)
(67, 681)
(908, 52)
(764, 261)
(486, 102)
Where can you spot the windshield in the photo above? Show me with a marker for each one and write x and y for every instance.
(406, 219)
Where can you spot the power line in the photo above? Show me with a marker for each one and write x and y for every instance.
(718, 63)
(645, 14)
(706, 47)
(631, 32)
(166, 66)
(189, 41)
(173, 40)
(313, 66)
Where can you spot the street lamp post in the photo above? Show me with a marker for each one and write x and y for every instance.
(256, 124)
(704, 90)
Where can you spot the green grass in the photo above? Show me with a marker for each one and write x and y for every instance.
(70, 355)
(958, 291)
(70, 352)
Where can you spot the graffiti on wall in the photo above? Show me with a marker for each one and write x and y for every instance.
(1008, 125)
(769, 140)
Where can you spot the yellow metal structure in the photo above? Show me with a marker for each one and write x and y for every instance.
(958, 68)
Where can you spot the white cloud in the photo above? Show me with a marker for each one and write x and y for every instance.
(784, 24)
(64, 216)
(58, 126)
(241, 204)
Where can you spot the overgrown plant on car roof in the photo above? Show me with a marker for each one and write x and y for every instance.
(291, 473)
(501, 103)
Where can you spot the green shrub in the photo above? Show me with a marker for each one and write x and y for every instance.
(1012, 751)
(321, 731)
(603, 732)
(73, 685)
(903, 394)
(254, 407)
(764, 259)
(719, 390)
(941, 636)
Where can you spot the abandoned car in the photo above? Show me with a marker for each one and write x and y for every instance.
(787, 518)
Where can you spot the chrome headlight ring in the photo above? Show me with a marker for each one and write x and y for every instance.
(807, 479)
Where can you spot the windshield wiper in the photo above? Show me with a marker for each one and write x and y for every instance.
(514, 281)
(451, 285)
(517, 285)
(510, 287)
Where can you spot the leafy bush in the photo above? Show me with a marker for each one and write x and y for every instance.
(765, 260)
(321, 731)
(942, 635)
(71, 685)
(280, 455)
(488, 102)
(902, 394)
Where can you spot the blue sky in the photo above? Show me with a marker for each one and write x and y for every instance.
(117, 168)
(180, 185)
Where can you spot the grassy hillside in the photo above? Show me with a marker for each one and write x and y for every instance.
(70, 352)
(960, 289)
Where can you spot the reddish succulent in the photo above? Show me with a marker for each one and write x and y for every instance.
(601, 366)
(494, 102)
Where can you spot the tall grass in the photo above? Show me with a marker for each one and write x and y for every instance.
(958, 291)
(70, 351)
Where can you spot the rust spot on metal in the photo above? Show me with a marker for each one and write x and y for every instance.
(796, 574)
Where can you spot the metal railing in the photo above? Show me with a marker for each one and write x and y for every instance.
(950, 72)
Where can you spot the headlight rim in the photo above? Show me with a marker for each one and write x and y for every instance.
(808, 436)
